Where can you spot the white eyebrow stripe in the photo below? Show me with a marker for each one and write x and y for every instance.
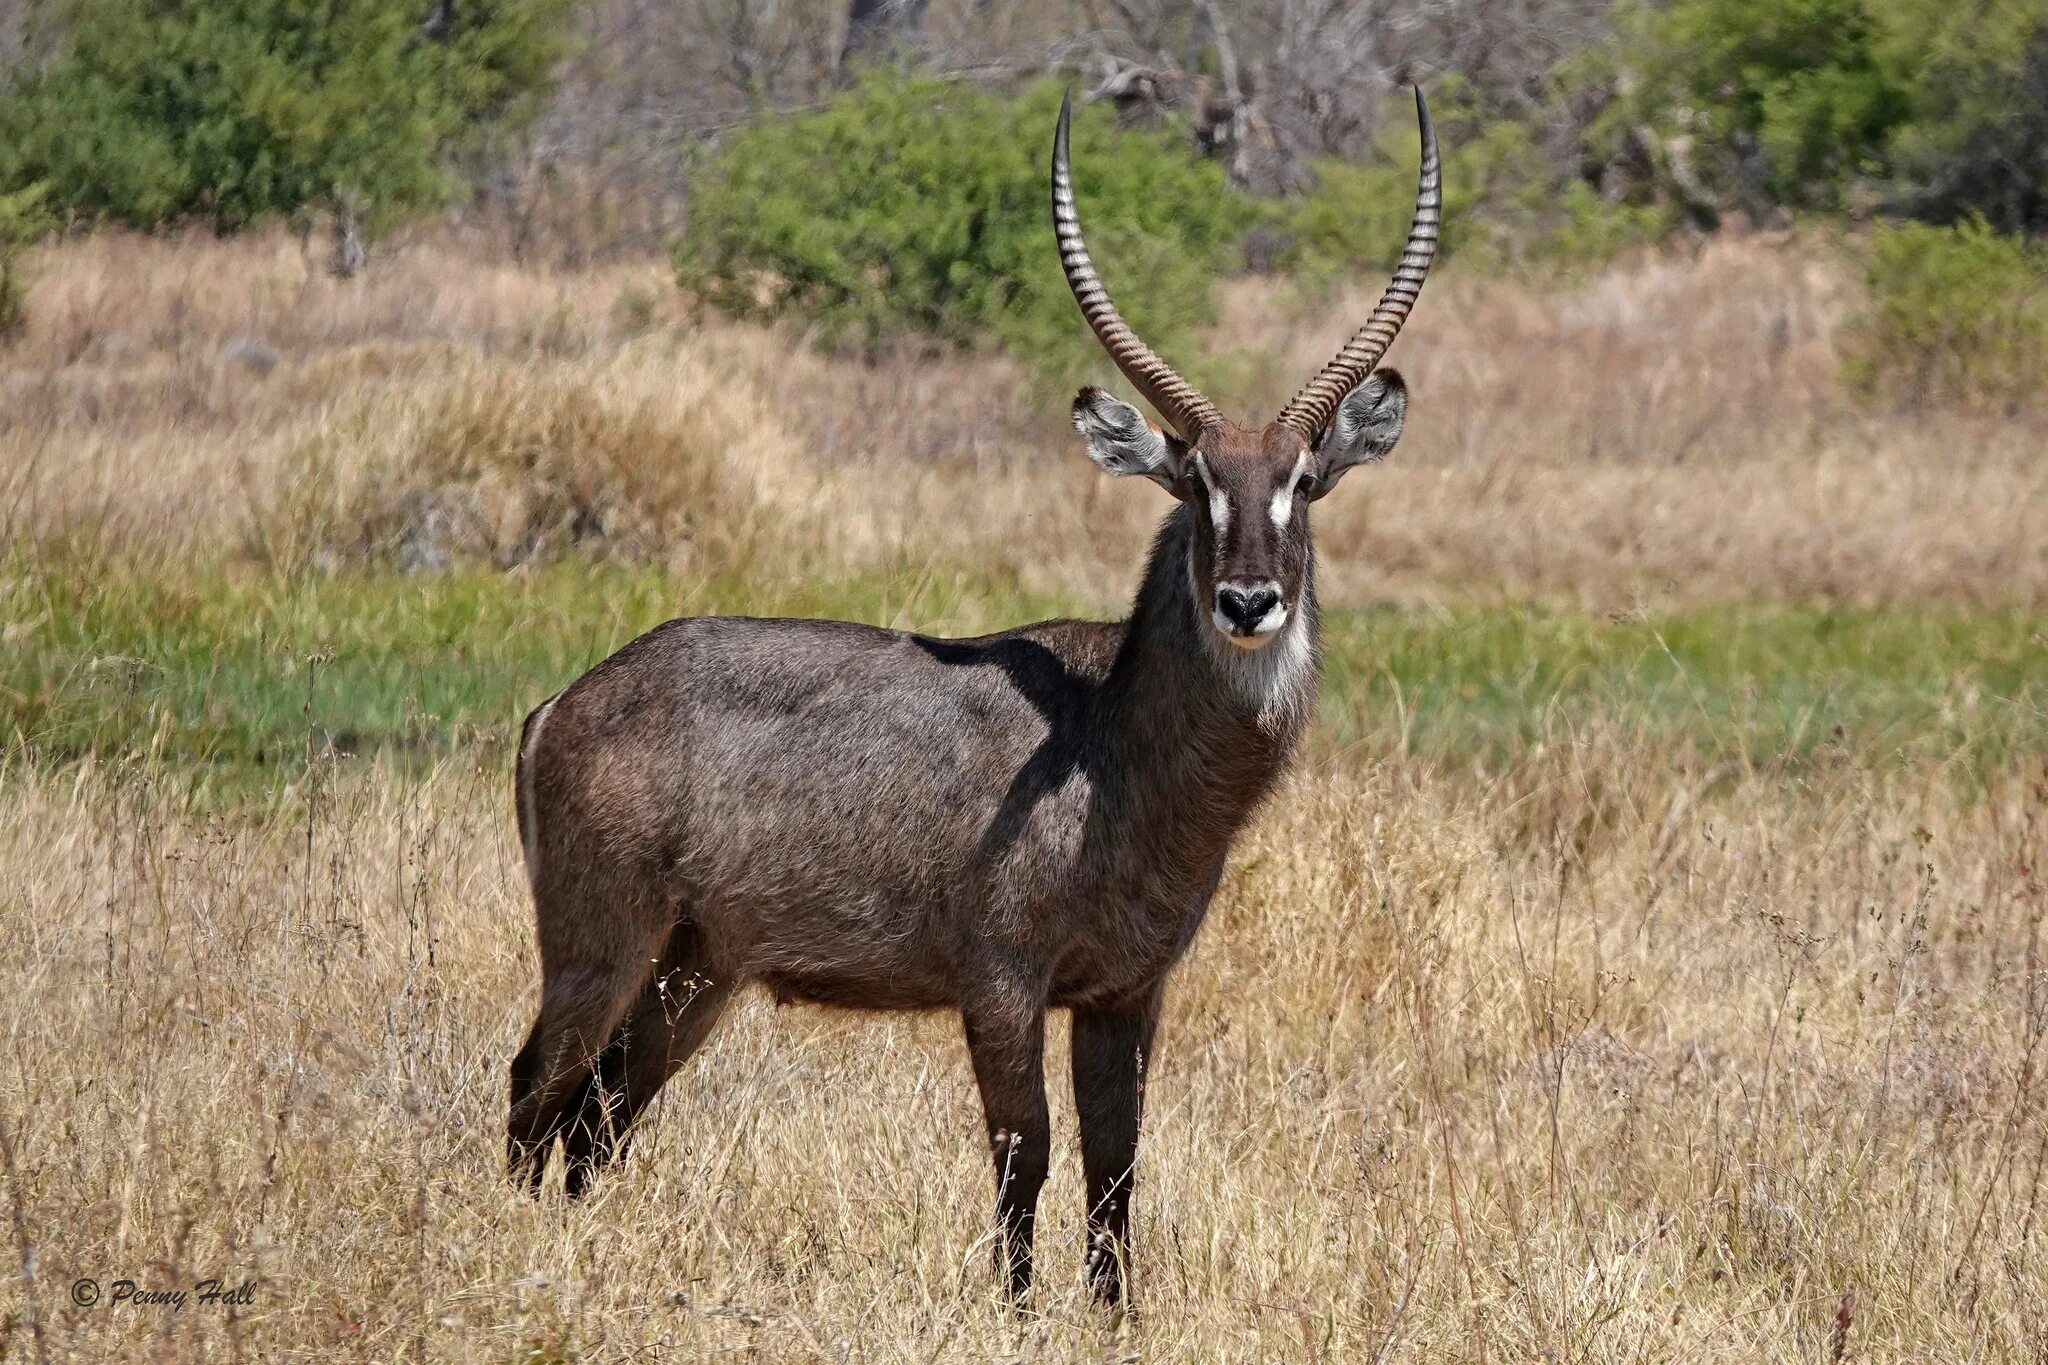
(1219, 501)
(1282, 507)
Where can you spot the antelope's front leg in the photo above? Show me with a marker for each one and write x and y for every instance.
(1006, 1039)
(1111, 1049)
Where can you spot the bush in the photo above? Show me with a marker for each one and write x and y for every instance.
(1978, 139)
(1588, 230)
(1501, 202)
(1356, 218)
(235, 110)
(23, 220)
(1790, 99)
(1925, 106)
(1957, 314)
(915, 205)
(635, 457)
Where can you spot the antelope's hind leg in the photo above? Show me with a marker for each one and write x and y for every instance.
(583, 1000)
(675, 1013)
(578, 1011)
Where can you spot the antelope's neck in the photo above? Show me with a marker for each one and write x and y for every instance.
(1203, 728)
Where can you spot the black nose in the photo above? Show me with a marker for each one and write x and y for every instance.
(1245, 607)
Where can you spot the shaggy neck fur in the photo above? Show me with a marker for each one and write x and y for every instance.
(1211, 725)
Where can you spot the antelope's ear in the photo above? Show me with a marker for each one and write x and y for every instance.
(1367, 424)
(1122, 441)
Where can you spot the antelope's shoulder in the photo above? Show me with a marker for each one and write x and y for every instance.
(1065, 649)
(696, 668)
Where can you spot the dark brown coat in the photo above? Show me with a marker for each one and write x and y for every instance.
(999, 826)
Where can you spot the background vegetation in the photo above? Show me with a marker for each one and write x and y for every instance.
(23, 220)
(902, 202)
(917, 206)
(1644, 962)
(1956, 314)
(231, 114)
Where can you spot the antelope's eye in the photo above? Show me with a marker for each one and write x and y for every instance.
(1305, 485)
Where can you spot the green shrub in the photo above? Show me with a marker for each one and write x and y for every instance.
(235, 110)
(1978, 138)
(1584, 230)
(23, 220)
(1956, 314)
(1501, 203)
(1356, 218)
(1790, 100)
(1927, 106)
(915, 205)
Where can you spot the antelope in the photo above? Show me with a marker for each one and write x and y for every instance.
(1003, 825)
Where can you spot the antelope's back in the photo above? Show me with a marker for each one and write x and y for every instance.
(837, 772)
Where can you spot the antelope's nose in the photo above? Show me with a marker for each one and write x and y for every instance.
(1249, 607)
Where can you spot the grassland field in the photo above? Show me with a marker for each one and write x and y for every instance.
(1643, 964)
(226, 680)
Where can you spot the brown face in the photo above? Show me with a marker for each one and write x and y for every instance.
(1248, 494)
(1248, 491)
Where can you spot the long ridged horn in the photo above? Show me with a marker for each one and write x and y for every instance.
(1310, 410)
(1173, 397)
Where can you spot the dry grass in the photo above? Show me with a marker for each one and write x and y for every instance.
(1592, 1069)
(1670, 433)
(1617, 1057)
(1675, 432)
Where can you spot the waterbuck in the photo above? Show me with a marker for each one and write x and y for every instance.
(1000, 826)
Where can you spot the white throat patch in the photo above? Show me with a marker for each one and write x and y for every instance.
(1267, 680)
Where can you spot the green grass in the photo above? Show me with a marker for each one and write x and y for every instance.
(235, 679)
(1754, 684)
(227, 674)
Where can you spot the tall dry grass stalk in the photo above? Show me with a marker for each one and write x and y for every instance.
(1593, 1068)
(1665, 433)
